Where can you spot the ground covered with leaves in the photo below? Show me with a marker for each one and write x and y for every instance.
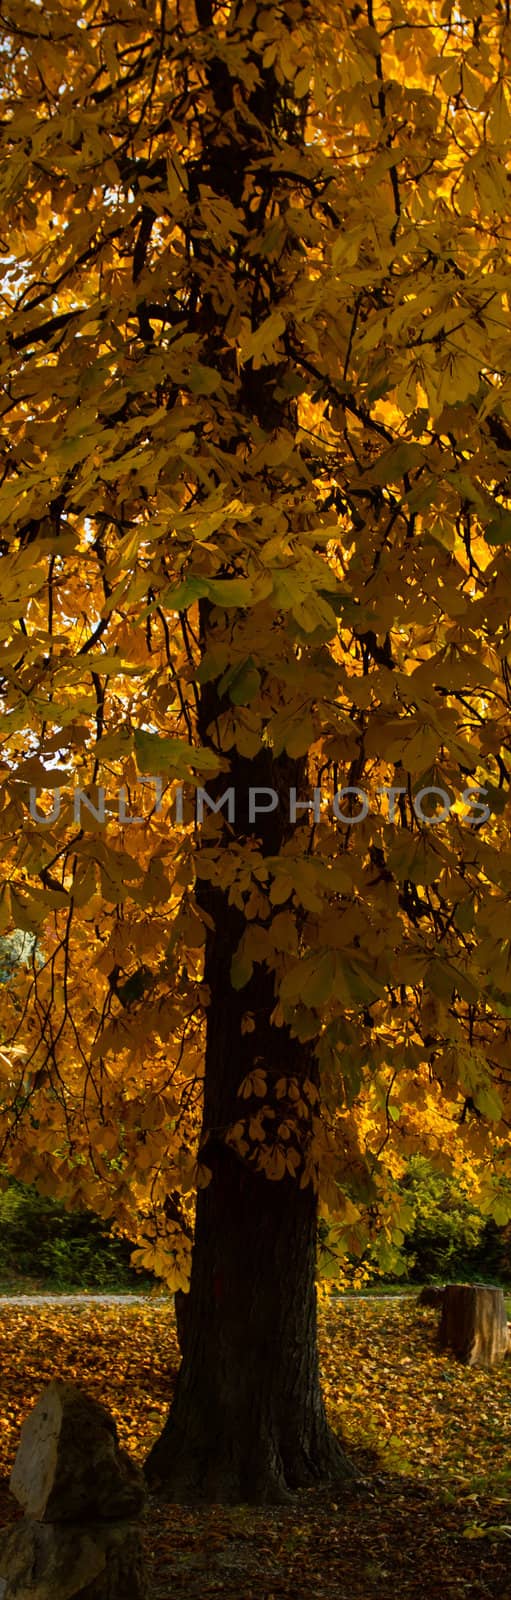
(430, 1438)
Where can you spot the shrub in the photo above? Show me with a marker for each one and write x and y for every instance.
(61, 1249)
(448, 1237)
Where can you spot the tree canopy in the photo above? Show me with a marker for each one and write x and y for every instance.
(255, 524)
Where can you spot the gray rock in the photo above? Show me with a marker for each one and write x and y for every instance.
(39, 1561)
(69, 1467)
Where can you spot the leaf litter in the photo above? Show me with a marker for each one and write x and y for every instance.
(430, 1438)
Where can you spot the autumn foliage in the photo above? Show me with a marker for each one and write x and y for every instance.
(256, 404)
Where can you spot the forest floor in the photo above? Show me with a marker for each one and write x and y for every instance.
(431, 1440)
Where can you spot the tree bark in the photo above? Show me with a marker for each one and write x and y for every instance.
(474, 1324)
(181, 1304)
(248, 1421)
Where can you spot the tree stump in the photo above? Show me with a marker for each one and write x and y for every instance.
(474, 1324)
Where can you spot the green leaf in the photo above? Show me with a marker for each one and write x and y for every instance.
(241, 969)
(311, 981)
(171, 756)
(203, 380)
(488, 1102)
(241, 683)
(229, 591)
(499, 530)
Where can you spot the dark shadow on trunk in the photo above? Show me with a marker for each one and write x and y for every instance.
(248, 1422)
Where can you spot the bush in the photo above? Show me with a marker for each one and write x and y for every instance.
(60, 1249)
(445, 1239)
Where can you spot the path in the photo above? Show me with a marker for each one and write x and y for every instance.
(80, 1297)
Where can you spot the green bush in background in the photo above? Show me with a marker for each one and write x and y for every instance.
(57, 1249)
(445, 1239)
(448, 1237)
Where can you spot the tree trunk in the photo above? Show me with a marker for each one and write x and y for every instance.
(181, 1305)
(474, 1324)
(247, 1422)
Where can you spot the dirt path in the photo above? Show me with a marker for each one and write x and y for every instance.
(80, 1297)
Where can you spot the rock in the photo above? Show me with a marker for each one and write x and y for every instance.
(431, 1295)
(69, 1467)
(39, 1561)
(80, 1491)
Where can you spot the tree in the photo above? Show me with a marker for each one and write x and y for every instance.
(255, 517)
